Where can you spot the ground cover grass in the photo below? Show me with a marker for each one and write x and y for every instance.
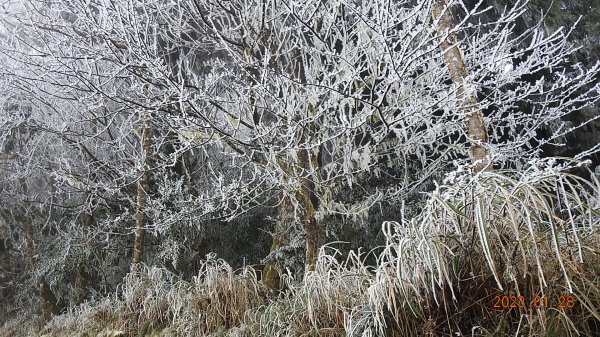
(500, 253)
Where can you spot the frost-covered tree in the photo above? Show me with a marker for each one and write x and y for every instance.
(327, 92)
(83, 143)
(120, 158)
(180, 111)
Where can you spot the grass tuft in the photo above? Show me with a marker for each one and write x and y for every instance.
(528, 234)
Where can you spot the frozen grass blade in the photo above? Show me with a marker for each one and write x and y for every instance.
(525, 244)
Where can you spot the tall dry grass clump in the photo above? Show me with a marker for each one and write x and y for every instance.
(221, 297)
(152, 299)
(222, 302)
(322, 305)
(528, 237)
(25, 325)
(214, 301)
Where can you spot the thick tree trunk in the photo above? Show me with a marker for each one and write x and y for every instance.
(315, 230)
(476, 126)
(48, 299)
(309, 167)
(285, 218)
(142, 197)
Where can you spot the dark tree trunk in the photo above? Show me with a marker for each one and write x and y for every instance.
(48, 300)
(315, 230)
(281, 238)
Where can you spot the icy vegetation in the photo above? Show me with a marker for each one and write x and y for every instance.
(436, 272)
(297, 168)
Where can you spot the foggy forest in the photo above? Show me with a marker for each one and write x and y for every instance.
(301, 168)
